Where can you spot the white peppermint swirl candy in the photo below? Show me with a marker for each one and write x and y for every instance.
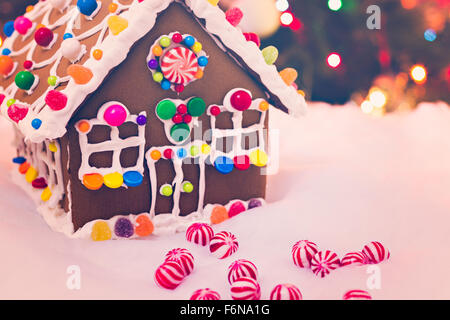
(357, 295)
(286, 292)
(179, 65)
(205, 294)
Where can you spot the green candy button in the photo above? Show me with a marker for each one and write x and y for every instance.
(180, 132)
(166, 109)
(196, 107)
(24, 80)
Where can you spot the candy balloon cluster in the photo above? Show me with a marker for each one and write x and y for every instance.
(179, 116)
(176, 60)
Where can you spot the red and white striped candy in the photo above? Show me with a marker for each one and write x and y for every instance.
(183, 257)
(302, 253)
(205, 294)
(179, 65)
(242, 268)
(286, 292)
(376, 252)
(223, 245)
(199, 233)
(354, 258)
(169, 275)
(357, 295)
(324, 262)
(245, 289)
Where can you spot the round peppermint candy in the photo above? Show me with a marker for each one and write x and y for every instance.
(324, 262)
(205, 294)
(357, 295)
(242, 268)
(179, 65)
(183, 257)
(286, 292)
(354, 258)
(376, 252)
(245, 289)
(169, 275)
(302, 253)
(223, 245)
(199, 233)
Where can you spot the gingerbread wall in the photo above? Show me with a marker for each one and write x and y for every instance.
(131, 84)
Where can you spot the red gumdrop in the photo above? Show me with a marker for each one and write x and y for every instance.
(234, 16)
(43, 37)
(168, 153)
(178, 118)
(177, 38)
(187, 118)
(17, 112)
(56, 100)
(39, 183)
(253, 37)
(236, 208)
(215, 110)
(241, 100)
(241, 162)
(182, 109)
(28, 64)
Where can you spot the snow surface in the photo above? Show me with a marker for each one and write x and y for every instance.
(345, 179)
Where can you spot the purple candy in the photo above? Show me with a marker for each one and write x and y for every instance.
(254, 203)
(141, 120)
(153, 64)
(123, 228)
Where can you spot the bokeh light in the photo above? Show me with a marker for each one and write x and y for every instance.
(377, 98)
(418, 73)
(286, 18)
(334, 60)
(366, 106)
(334, 5)
(282, 5)
(430, 35)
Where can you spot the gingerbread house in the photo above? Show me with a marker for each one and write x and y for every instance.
(133, 117)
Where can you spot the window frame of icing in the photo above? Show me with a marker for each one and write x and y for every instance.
(114, 144)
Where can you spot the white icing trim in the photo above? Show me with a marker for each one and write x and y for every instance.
(141, 17)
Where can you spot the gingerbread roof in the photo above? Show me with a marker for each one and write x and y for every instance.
(116, 25)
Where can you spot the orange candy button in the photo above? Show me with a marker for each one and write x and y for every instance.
(156, 155)
(93, 181)
(219, 214)
(84, 126)
(23, 168)
(97, 54)
(80, 74)
(144, 226)
(6, 65)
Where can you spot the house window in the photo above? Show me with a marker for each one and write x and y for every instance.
(112, 148)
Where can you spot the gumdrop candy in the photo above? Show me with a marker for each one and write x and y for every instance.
(100, 231)
(80, 74)
(219, 214)
(144, 226)
(289, 75)
(270, 54)
(236, 208)
(56, 100)
(234, 16)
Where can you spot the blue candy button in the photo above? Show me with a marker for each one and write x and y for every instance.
(133, 178)
(224, 164)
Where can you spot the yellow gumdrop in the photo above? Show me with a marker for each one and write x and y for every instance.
(214, 2)
(113, 180)
(117, 24)
(206, 149)
(31, 174)
(46, 194)
(259, 158)
(289, 75)
(52, 147)
(197, 47)
(100, 231)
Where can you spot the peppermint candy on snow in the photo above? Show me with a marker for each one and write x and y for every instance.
(324, 262)
(205, 294)
(223, 245)
(183, 257)
(357, 295)
(354, 258)
(302, 253)
(169, 275)
(242, 268)
(286, 292)
(199, 233)
(245, 289)
(376, 252)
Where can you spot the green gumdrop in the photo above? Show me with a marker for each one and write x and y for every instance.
(196, 107)
(166, 109)
(188, 187)
(166, 190)
(24, 80)
(180, 132)
(270, 54)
